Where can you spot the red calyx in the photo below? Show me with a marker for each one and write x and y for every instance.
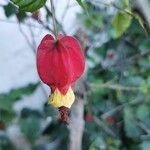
(60, 63)
(64, 114)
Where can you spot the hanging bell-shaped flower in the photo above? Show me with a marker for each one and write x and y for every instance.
(60, 63)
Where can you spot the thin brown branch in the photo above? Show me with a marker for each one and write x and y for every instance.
(54, 19)
(121, 107)
(26, 37)
(33, 38)
(33, 48)
(104, 127)
(113, 87)
(112, 4)
(143, 126)
(23, 23)
(59, 24)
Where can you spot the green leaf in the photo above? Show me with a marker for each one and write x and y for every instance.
(30, 127)
(7, 117)
(7, 100)
(124, 3)
(132, 130)
(9, 10)
(29, 5)
(141, 22)
(82, 4)
(143, 112)
(145, 86)
(24, 3)
(98, 143)
(121, 21)
(21, 16)
(93, 20)
(5, 142)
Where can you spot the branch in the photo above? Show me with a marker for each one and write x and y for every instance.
(12, 4)
(50, 14)
(23, 23)
(121, 107)
(127, 11)
(33, 48)
(44, 25)
(113, 87)
(104, 127)
(113, 5)
(54, 19)
(26, 38)
(143, 126)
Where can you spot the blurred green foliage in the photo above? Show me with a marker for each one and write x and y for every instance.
(118, 75)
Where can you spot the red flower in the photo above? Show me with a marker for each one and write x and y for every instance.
(60, 63)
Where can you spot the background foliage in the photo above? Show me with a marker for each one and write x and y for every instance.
(117, 113)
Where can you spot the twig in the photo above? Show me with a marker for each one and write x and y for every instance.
(123, 10)
(104, 127)
(115, 6)
(54, 20)
(113, 87)
(26, 37)
(59, 24)
(12, 3)
(143, 126)
(23, 23)
(130, 60)
(127, 11)
(121, 107)
(33, 48)
(33, 39)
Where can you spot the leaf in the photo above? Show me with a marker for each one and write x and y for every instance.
(82, 4)
(132, 130)
(143, 112)
(7, 117)
(21, 16)
(145, 86)
(121, 21)
(98, 143)
(9, 10)
(29, 5)
(7, 100)
(94, 20)
(30, 127)
(141, 22)
(5, 142)
(124, 3)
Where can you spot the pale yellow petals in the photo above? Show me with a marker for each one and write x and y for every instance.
(57, 99)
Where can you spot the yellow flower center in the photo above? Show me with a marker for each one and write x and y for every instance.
(57, 99)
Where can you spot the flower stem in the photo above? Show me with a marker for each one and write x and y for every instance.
(54, 20)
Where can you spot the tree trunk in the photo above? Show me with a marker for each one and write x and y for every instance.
(76, 125)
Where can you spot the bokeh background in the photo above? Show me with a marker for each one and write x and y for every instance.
(112, 108)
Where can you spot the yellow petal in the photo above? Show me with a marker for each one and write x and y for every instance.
(57, 99)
